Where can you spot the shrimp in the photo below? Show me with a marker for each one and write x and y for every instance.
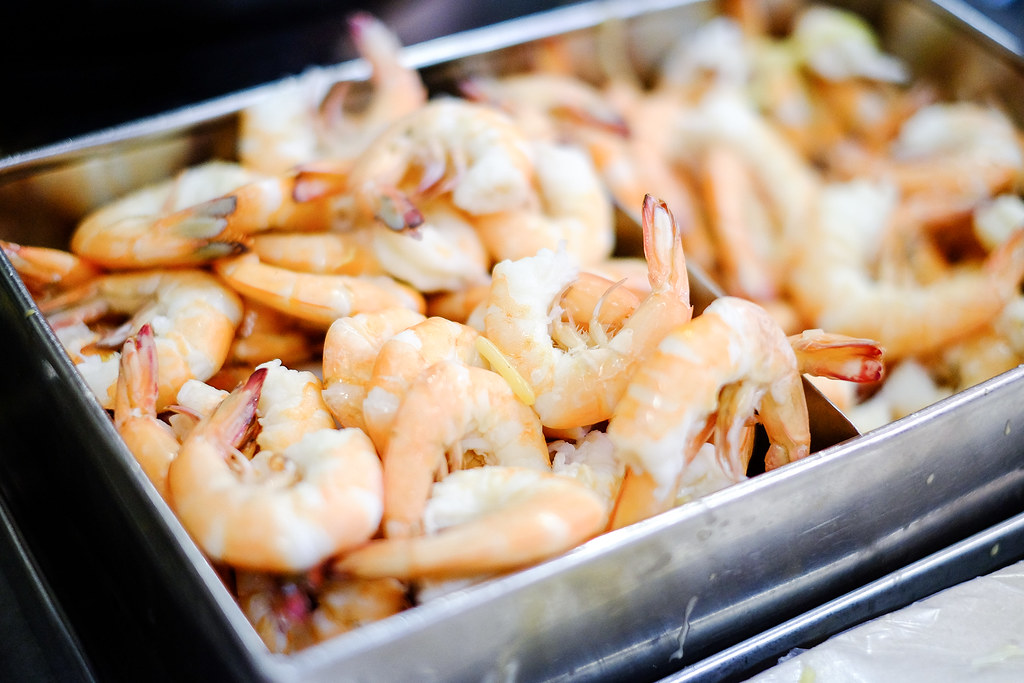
(708, 375)
(350, 351)
(314, 298)
(580, 385)
(265, 334)
(279, 512)
(471, 153)
(335, 253)
(548, 106)
(488, 519)
(207, 212)
(290, 406)
(568, 207)
(128, 232)
(833, 288)
(790, 185)
(444, 253)
(591, 460)
(305, 119)
(292, 613)
(45, 270)
(192, 314)
(150, 439)
(402, 358)
(451, 414)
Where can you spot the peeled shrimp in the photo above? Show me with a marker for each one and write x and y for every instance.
(402, 358)
(580, 385)
(486, 520)
(335, 253)
(314, 298)
(128, 232)
(569, 209)
(708, 375)
(451, 414)
(192, 314)
(282, 512)
(471, 151)
(444, 253)
(833, 287)
(350, 351)
(306, 119)
(150, 440)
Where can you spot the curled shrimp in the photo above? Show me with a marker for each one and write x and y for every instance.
(569, 209)
(350, 351)
(834, 288)
(450, 415)
(305, 118)
(335, 253)
(579, 384)
(129, 233)
(315, 298)
(470, 152)
(192, 314)
(709, 375)
(151, 440)
(402, 358)
(280, 512)
(487, 520)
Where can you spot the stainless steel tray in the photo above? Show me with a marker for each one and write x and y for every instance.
(636, 604)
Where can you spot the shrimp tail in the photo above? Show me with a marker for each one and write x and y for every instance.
(234, 418)
(138, 364)
(837, 356)
(663, 249)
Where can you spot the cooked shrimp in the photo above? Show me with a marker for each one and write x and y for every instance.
(192, 314)
(350, 350)
(741, 227)
(290, 406)
(790, 185)
(306, 118)
(569, 209)
(265, 334)
(709, 374)
(548, 106)
(459, 305)
(336, 253)
(833, 287)
(402, 358)
(314, 298)
(471, 151)
(292, 613)
(281, 512)
(444, 253)
(129, 232)
(150, 439)
(590, 460)
(580, 385)
(45, 269)
(486, 520)
(451, 414)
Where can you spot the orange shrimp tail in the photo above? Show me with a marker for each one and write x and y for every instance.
(838, 356)
(137, 387)
(637, 500)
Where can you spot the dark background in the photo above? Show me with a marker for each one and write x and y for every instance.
(76, 68)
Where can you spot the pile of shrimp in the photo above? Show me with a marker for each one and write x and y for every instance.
(396, 348)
